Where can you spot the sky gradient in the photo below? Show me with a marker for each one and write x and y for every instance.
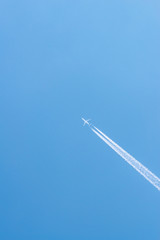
(60, 61)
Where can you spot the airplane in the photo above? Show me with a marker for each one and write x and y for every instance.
(86, 122)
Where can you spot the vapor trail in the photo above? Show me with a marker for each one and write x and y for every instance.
(153, 179)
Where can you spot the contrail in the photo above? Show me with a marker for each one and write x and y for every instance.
(153, 179)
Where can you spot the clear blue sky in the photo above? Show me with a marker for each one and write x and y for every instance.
(61, 60)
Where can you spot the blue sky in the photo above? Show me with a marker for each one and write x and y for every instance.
(61, 60)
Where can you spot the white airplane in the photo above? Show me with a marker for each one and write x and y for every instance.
(86, 122)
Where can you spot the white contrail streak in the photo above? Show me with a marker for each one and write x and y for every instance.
(153, 179)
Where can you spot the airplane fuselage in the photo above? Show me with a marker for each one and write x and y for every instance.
(86, 121)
